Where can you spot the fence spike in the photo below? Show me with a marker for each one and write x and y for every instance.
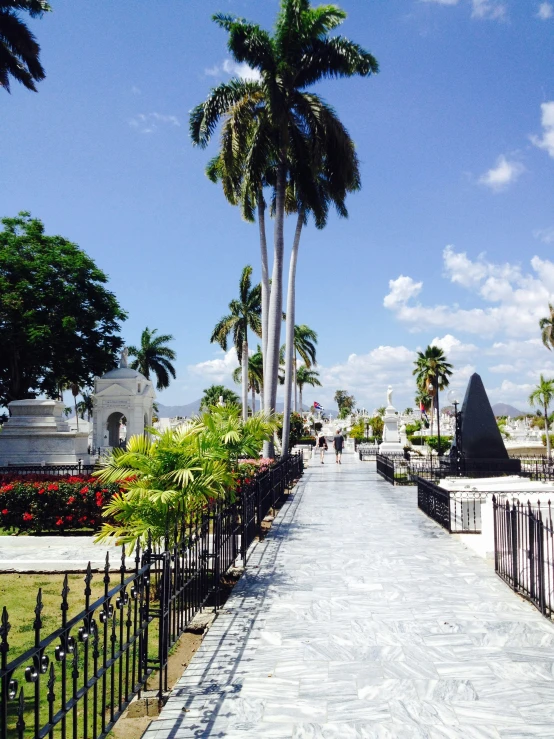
(107, 571)
(5, 627)
(88, 580)
(20, 726)
(122, 568)
(38, 610)
(50, 684)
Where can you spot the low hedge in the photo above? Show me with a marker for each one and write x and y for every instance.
(58, 505)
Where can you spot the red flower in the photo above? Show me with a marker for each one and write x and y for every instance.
(27, 516)
(71, 500)
(69, 518)
(41, 491)
(5, 512)
(83, 519)
(59, 522)
(84, 490)
(53, 486)
(6, 488)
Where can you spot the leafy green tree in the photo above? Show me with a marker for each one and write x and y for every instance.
(154, 356)
(345, 402)
(305, 376)
(432, 373)
(280, 121)
(85, 406)
(58, 322)
(543, 395)
(244, 314)
(212, 395)
(19, 50)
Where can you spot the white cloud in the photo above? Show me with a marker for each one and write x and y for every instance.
(151, 122)
(518, 299)
(545, 11)
(216, 370)
(546, 141)
(234, 69)
(546, 235)
(401, 290)
(505, 173)
(453, 347)
(487, 9)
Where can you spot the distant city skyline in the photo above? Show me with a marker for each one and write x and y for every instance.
(449, 241)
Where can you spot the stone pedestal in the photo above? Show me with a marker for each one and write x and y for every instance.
(391, 436)
(37, 432)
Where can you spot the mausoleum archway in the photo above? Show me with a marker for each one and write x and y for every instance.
(114, 422)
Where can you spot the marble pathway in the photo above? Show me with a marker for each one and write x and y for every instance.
(359, 617)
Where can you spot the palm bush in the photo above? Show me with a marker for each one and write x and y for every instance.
(177, 474)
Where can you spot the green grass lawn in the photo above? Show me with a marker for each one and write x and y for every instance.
(18, 594)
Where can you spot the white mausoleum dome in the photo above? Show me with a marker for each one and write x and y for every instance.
(123, 373)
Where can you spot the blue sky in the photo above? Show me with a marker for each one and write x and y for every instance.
(451, 237)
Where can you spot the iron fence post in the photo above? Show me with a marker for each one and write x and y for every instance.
(531, 528)
(513, 525)
(495, 530)
(540, 557)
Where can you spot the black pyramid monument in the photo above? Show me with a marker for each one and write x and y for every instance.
(482, 446)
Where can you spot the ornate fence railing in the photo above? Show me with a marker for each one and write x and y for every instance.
(539, 468)
(78, 679)
(524, 550)
(458, 512)
(45, 470)
(367, 451)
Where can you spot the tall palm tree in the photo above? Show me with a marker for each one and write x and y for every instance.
(85, 406)
(547, 328)
(19, 50)
(279, 120)
(154, 356)
(543, 395)
(75, 392)
(255, 375)
(306, 376)
(305, 340)
(244, 314)
(432, 373)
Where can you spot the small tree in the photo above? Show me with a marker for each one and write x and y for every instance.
(543, 395)
(213, 393)
(345, 402)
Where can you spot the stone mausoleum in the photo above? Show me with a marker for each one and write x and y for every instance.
(123, 403)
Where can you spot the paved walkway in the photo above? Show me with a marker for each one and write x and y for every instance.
(359, 618)
(55, 554)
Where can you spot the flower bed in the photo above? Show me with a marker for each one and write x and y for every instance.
(55, 505)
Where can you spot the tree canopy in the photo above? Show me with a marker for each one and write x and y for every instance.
(58, 322)
(214, 392)
(19, 50)
(154, 356)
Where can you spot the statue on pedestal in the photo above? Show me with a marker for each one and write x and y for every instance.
(123, 364)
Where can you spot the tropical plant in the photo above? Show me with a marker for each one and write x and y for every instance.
(305, 340)
(154, 356)
(19, 50)
(85, 405)
(244, 314)
(212, 394)
(408, 411)
(542, 395)
(432, 373)
(51, 334)
(546, 326)
(381, 410)
(345, 402)
(305, 376)
(274, 123)
(255, 375)
(175, 474)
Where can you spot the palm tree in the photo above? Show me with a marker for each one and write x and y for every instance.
(305, 340)
(245, 314)
(19, 50)
(279, 121)
(543, 395)
(212, 395)
(85, 406)
(547, 328)
(255, 375)
(154, 356)
(306, 376)
(432, 373)
(75, 392)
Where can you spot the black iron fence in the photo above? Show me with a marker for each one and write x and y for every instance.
(367, 451)
(458, 512)
(77, 680)
(46, 470)
(524, 550)
(539, 468)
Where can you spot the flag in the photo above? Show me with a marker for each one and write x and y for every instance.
(318, 407)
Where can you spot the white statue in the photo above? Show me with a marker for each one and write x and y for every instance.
(220, 402)
(389, 395)
(123, 358)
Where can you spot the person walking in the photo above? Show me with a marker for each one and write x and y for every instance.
(322, 446)
(338, 443)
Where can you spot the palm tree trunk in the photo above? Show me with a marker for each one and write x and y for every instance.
(300, 394)
(253, 400)
(245, 378)
(289, 348)
(295, 384)
(438, 425)
(265, 275)
(275, 315)
(547, 434)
